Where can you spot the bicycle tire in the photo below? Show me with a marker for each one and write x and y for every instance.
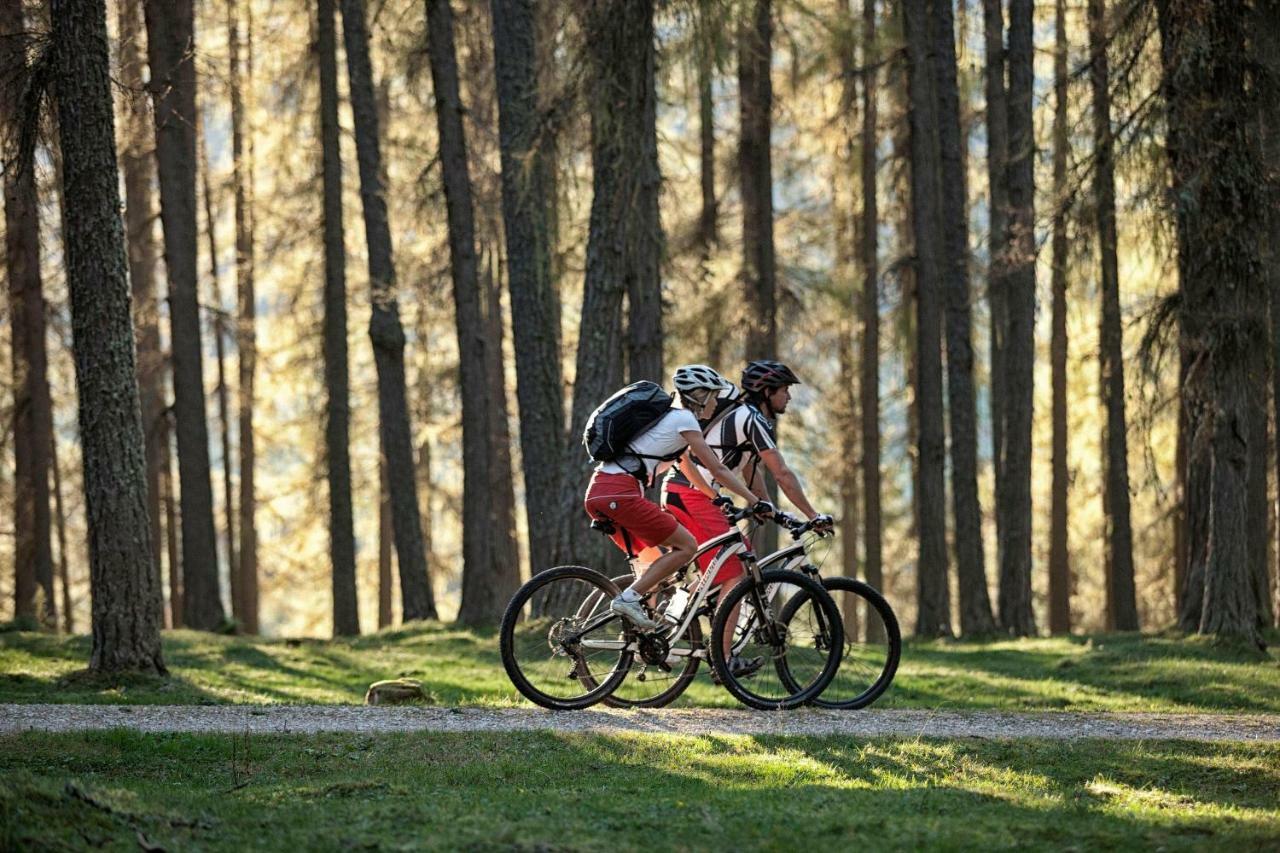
(774, 582)
(520, 671)
(858, 663)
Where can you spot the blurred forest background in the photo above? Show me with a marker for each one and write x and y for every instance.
(855, 188)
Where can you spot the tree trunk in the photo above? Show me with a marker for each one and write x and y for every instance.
(125, 589)
(1122, 609)
(506, 552)
(933, 595)
(527, 202)
(60, 518)
(1059, 556)
(997, 224)
(342, 542)
(709, 213)
(384, 546)
(1268, 46)
(170, 46)
(171, 526)
(1213, 106)
(32, 412)
(975, 601)
(644, 282)
(224, 419)
(869, 384)
(246, 337)
(755, 96)
(1016, 615)
(385, 329)
(138, 166)
(487, 585)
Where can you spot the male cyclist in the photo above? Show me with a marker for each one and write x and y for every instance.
(616, 492)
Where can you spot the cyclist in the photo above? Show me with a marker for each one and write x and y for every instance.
(616, 493)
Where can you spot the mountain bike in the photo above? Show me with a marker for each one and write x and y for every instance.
(872, 639)
(564, 649)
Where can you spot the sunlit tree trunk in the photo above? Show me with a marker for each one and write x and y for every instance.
(385, 329)
(124, 585)
(171, 46)
(755, 169)
(60, 519)
(171, 527)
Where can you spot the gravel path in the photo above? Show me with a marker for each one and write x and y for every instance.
(276, 719)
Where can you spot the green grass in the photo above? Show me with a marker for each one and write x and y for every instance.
(579, 792)
(1117, 672)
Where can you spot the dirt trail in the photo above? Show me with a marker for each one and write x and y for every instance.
(276, 719)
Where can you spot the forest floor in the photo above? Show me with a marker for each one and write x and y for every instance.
(460, 667)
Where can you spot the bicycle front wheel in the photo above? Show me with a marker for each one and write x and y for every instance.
(558, 652)
(780, 667)
(872, 643)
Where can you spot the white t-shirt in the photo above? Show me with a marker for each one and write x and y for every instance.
(661, 439)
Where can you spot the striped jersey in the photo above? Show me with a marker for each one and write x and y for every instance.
(737, 438)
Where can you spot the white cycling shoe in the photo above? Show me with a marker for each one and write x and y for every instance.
(633, 612)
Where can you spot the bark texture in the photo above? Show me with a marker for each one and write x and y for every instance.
(933, 595)
(488, 582)
(1218, 183)
(1122, 608)
(962, 411)
(1268, 45)
(170, 47)
(1059, 556)
(337, 426)
(124, 585)
(32, 411)
(385, 329)
(1016, 615)
(755, 173)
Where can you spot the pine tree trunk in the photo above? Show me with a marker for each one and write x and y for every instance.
(1059, 555)
(644, 282)
(1122, 609)
(528, 201)
(755, 96)
(171, 526)
(138, 165)
(224, 419)
(997, 224)
(962, 411)
(246, 337)
(170, 46)
(337, 440)
(1016, 615)
(869, 384)
(708, 212)
(32, 412)
(1268, 46)
(60, 519)
(506, 552)
(385, 329)
(933, 595)
(1223, 288)
(124, 585)
(385, 582)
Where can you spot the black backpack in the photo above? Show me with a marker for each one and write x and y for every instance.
(623, 418)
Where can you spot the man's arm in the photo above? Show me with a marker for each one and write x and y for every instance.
(787, 481)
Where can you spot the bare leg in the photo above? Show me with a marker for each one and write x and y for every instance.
(682, 545)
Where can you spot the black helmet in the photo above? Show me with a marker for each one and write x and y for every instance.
(762, 376)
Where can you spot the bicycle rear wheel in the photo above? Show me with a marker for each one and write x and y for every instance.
(654, 685)
(794, 665)
(556, 653)
(872, 644)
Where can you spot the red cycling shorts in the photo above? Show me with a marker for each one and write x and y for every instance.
(705, 521)
(619, 498)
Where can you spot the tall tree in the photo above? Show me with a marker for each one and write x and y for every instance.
(138, 165)
(755, 174)
(975, 601)
(342, 542)
(487, 582)
(1059, 557)
(170, 47)
(1122, 609)
(1268, 46)
(32, 410)
(246, 336)
(60, 519)
(1016, 615)
(869, 384)
(124, 585)
(644, 274)
(385, 329)
(933, 594)
(997, 217)
(221, 392)
(1218, 185)
(527, 201)
(707, 33)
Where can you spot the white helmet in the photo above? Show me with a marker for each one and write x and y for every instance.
(694, 377)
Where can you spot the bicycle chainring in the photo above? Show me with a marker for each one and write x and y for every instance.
(654, 649)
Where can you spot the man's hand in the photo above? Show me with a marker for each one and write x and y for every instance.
(822, 523)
